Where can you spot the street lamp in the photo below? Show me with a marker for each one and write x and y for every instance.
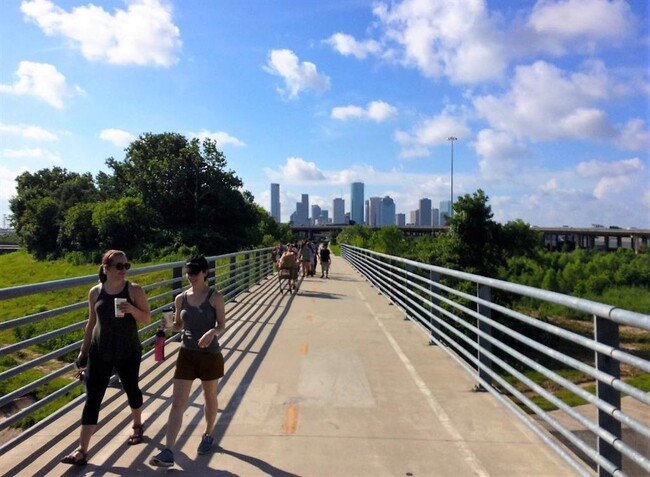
(451, 206)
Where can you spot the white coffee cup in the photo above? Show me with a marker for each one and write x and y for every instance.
(168, 319)
(118, 312)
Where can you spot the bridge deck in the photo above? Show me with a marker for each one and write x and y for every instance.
(331, 381)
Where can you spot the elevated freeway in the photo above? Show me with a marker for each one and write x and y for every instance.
(554, 237)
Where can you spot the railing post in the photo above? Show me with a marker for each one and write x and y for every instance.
(484, 292)
(232, 275)
(177, 272)
(607, 332)
(407, 285)
(434, 277)
(213, 266)
(247, 259)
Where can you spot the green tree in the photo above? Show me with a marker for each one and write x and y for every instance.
(356, 235)
(477, 235)
(194, 200)
(122, 224)
(42, 199)
(519, 239)
(389, 240)
(78, 232)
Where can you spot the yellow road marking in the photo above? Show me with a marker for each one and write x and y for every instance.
(290, 421)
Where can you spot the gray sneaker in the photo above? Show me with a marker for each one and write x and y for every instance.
(164, 459)
(206, 444)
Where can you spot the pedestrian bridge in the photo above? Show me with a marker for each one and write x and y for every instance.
(337, 379)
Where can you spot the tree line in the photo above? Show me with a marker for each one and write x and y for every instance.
(168, 194)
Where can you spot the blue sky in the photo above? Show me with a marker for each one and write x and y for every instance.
(549, 99)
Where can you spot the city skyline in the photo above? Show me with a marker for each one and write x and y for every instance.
(547, 101)
(378, 211)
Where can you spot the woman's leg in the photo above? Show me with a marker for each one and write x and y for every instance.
(98, 375)
(181, 394)
(211, 404)
(129, 372)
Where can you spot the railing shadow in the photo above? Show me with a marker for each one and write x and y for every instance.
(248, 318)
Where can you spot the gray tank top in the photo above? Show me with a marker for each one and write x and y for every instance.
(196, 321)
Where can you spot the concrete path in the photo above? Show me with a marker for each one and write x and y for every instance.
(331, 381)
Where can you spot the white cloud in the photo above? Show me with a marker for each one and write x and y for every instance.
(31, 153)
(613, 176)
(43, 81)
(587, 19)
(117, 137)
(347, 45)
(297, 76)
(143, 34)
(634, 136)
(8, 182)
(430, 132)
(297, 170)
(545, 103)
(500, 154)
(376, 111)
(441, 37)
(222, 138)
(30, 132)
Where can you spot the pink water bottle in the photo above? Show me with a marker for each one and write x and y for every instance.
(160, 345)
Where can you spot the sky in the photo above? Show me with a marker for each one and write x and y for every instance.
(549, 100)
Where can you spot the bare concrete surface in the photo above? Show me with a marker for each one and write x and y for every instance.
(331, 381)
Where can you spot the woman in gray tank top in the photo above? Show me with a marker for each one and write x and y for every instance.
(201, 313)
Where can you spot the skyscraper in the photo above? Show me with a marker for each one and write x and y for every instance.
(275, 202)
(315, 214)
(435, 217)
(387, 212)
(445, 211)
(356, 202)
(373, 217)
(301, 216)
(338, 208)
(425, 212)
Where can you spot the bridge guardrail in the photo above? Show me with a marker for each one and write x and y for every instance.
(232, 273)
(469, 316)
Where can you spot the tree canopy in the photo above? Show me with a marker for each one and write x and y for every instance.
(167, 192)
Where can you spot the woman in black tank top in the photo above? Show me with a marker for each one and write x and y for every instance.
(111, 340)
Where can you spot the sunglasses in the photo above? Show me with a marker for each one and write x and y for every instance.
(193, 270)
(122, 266)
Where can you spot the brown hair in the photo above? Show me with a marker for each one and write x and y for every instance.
(107, 259)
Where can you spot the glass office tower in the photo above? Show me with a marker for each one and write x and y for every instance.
(275, 202)
(356, 202)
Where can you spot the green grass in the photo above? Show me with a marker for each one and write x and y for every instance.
(20, 268)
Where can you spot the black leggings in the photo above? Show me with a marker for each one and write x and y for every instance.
(98, 375)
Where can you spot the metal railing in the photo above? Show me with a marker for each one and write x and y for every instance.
(524, 360)
(232, 274)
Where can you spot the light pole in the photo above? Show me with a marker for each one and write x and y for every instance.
(451, 205)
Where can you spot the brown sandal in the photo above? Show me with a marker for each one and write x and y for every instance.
(76, 457)
(137, 436)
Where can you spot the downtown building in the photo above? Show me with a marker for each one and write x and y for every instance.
(356, 203)
(275, 202)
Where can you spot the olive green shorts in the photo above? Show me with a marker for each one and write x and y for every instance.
(191, 365)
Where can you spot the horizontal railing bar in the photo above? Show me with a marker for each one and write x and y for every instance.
(579, 304)
(406, 284)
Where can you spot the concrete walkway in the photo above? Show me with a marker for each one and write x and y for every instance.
(331, 381)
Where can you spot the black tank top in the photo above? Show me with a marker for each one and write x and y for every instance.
(114, 338)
